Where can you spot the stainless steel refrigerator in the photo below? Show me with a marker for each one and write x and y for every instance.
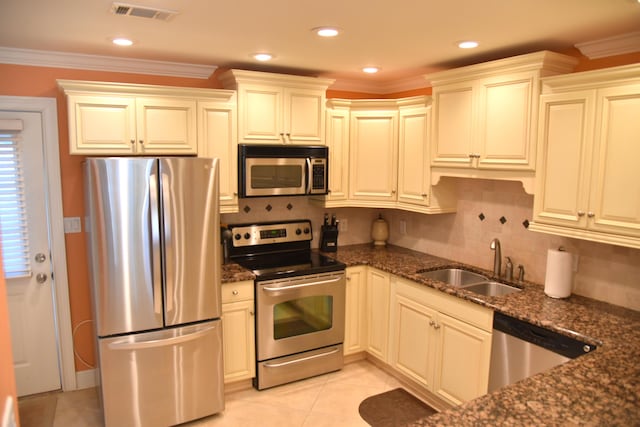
(154, 248)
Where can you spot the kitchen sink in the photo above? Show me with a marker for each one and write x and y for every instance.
(454, 276)
(491, 289)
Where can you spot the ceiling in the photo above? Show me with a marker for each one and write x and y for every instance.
(405, 38)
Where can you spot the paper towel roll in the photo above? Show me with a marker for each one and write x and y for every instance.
(559, 278)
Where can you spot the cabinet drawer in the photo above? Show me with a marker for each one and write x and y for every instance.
(237, 291)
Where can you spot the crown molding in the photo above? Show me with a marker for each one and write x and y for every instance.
(610, 46)
(45, 58)
(382, 88)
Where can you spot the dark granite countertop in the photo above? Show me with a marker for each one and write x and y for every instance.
(232, 272)
(598, 389)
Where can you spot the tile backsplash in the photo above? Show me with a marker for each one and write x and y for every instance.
(486, 210)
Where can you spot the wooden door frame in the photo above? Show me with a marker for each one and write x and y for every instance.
(53, 189)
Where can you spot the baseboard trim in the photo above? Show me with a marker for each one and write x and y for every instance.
(86, 379)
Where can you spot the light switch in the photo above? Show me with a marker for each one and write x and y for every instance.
(72, 224)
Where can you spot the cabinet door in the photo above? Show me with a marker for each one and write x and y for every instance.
(303, 116)
(338, 143)
(615, 187)
(412, 347)
(238, 340)
(453, 125)
(217, 138)
(564, 152)
(166, 126)
(462, 361)
(260, 114)
(413, 156)
(355, 311)
(378, 313)
(101, 125)
(373, 155)
(505, 122)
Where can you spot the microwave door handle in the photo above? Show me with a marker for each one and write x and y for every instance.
(309, 177)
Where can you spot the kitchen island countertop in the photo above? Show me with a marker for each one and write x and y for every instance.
(601, 388)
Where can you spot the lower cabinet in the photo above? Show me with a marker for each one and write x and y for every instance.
(355, 303)
(377, 315)
(440, 341)
(238, 329)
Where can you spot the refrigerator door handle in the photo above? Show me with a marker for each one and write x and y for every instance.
(164, 342)
(154, 225)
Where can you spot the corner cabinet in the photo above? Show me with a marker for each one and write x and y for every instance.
(484, 116)
(440, 341)
(588, 182)
(238, 331)
(379, 156)
(278, 108)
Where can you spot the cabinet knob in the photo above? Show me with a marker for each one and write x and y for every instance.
(432, 323)
(141, 141)
(133, 141)
(251, 313)
(234, 292)
(436, 326)
(580, 213)
(591, 214)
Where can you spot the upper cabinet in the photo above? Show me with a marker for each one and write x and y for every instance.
(485, 115)
(131, 119)
(588, 182)
(278, 108)
(379, 156)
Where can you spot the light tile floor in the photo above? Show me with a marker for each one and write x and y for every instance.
(327, 400)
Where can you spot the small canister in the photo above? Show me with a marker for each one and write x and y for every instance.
(380, 231)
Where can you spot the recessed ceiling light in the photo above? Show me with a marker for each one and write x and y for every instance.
(121, 41)
(326, 31)
(468, 44)
(371, 70)
(263, 56)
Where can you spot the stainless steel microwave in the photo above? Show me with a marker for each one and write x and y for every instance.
(282, 170)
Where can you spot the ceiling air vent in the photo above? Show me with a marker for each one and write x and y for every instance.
(142, 11)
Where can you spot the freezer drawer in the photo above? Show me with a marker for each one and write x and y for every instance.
(162, 378)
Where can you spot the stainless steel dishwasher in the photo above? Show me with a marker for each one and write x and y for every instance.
(520, 349)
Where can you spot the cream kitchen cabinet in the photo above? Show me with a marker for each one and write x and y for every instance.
(440, 341)
(217, 136)
(238, 331)
(485, 116)
(119, 119)
(377, 296)
(588, 183)
(355, 320)
(379, 156)
(373, 152)
(278, 108)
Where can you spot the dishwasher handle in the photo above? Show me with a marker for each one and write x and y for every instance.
(545, 338)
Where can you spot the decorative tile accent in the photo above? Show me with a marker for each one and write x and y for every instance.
(289, 206)
(481, 216)
(268, 208)
(503, 220)
(246, 209)
(525, 223)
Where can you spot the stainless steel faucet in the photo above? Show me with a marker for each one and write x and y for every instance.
(508, 269)
(497, 257)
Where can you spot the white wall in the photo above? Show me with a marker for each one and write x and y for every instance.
(605, 272)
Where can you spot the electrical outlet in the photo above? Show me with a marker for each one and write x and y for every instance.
(72, 225)
(344, 225)
(403, 226)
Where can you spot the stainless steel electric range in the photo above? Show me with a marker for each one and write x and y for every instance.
(299, 301)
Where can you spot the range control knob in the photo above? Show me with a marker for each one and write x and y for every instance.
(298, 231)
(247, 236)
(306, 230)
(237, 236)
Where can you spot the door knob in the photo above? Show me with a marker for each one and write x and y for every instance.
(41, 277)
(40, 257)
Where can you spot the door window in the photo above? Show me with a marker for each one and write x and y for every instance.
(302, 316)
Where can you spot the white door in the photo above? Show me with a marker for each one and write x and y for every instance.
(30, 295)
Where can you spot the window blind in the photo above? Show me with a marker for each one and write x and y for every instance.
(13, 210)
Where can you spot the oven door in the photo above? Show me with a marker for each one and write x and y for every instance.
(275, 176)
(299, 313)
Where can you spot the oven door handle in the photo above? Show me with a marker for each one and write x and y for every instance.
(304, 359)
(302, 285)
